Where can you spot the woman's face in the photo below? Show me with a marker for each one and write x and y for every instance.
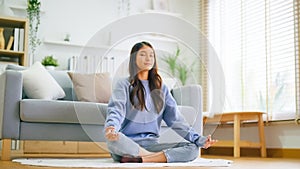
(145, 58)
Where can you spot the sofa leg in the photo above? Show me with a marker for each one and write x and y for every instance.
(6, 149)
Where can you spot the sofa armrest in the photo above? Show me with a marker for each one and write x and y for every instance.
(190, 95)
(10, 96)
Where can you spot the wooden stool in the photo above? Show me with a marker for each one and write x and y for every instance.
(237, 118)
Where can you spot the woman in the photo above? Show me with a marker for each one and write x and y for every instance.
(135, 111)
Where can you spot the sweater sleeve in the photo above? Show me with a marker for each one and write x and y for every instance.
(116, 109)
(174, 119)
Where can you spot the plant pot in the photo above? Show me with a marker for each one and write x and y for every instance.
(50, 67)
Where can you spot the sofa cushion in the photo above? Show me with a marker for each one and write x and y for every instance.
(15, 67)
(39, 84)
(94, 87)
(61, 111)
(65, 82)
(61, 77)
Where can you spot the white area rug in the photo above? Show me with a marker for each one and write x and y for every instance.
(109, 163)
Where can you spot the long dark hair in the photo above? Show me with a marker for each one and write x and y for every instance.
(155, 81)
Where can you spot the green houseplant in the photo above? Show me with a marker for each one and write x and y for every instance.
(33, 15)
(49, 61)
(183, 71)
(178, 69)
(171, 61)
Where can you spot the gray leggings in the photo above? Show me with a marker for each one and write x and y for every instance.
(174, 152)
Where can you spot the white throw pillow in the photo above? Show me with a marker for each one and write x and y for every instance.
(39, 84)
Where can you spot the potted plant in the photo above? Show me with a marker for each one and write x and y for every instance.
(171, 61)
(182, 73)
(50, 62)
(178, 69)
(33, 15)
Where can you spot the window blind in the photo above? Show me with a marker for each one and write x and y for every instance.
(257, 44)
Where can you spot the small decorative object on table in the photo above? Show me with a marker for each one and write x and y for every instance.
(49, 62)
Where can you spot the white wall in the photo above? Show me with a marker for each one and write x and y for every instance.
(80, 18)
(83, 18)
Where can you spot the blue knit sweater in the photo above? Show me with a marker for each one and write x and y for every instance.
(143, 126)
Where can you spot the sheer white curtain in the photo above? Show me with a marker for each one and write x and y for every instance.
(257, 44)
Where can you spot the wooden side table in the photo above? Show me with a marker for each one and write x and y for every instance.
(237, 118)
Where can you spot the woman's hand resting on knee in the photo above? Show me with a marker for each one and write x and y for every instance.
(111, 134)
(209, 142)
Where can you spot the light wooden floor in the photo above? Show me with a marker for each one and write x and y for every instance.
(238, 163)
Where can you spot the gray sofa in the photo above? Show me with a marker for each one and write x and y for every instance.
(67, 119)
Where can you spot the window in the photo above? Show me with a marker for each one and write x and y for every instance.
(257, 45)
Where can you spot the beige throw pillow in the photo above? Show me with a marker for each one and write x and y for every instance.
(39, 84)
(92, 87)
